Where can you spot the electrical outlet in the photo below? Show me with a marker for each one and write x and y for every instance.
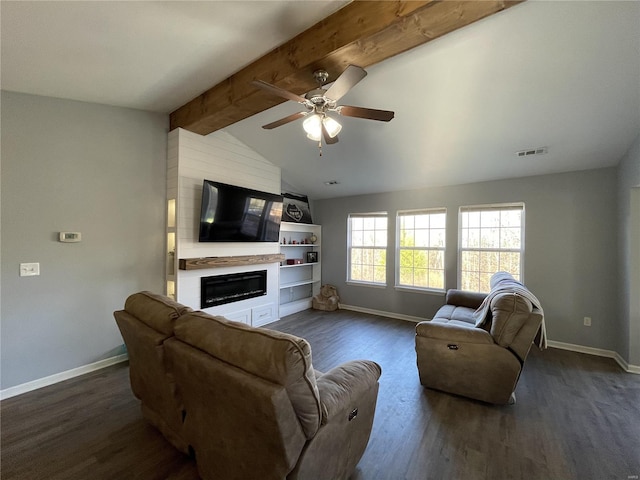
(587, 321)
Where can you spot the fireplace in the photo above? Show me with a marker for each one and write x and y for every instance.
(221, 289)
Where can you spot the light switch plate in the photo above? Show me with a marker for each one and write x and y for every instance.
(29, 269)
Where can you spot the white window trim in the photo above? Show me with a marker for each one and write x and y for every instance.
(490, 206)
(356, 283)
(363, 283)
(427, 291)
(411, 288)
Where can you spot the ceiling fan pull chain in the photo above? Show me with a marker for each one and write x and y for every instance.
(320, 146)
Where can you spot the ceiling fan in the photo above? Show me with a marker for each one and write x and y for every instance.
(320, 102)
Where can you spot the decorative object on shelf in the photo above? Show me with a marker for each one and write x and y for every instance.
(312, 257)
(294, 261)
(313, 238)
(296, 208)
(327, 300)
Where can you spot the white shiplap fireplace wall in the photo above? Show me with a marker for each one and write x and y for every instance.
(222, 158)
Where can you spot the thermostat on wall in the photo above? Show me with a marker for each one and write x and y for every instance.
(70, 237)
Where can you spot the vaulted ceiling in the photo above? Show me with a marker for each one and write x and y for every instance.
(361, 33)
(563, 75)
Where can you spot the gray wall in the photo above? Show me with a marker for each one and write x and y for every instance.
(101, 170)
(629, 247)
(570, 256)
(73, 166)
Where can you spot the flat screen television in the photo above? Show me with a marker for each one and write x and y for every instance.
(236, 214)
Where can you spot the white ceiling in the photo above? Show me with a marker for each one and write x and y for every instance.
(565, 75)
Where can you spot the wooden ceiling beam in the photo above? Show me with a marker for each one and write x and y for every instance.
(362, 33)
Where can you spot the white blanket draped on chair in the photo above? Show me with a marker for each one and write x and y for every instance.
(503, 282)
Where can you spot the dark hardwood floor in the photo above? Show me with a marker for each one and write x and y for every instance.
(576, 417)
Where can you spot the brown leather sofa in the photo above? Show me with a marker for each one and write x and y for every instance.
(476, 344)
(251, 404)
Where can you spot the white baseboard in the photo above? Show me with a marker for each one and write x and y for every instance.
(60, 377)
(597, 352)
(381, 313)
(75, 372)
(561, 345)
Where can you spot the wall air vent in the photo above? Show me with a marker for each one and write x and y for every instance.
(532, 151)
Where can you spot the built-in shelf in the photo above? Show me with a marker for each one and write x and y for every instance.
(216, 262)
(170, 272)
(299, 282)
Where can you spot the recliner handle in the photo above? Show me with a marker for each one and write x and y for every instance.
(353, 414)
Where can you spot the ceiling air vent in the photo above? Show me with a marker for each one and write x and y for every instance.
(532, 151)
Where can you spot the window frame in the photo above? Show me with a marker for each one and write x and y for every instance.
(488, 207)
(367, 283)
(398, 247)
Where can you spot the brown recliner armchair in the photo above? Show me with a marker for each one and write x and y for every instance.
(476, 344)
(256, 408)
(145, 323)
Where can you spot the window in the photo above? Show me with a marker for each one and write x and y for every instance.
(491, 240)
(420, 251)
(367, 244)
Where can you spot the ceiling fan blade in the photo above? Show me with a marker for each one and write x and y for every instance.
(281, 92)
(327, 138)
(284, 120)
(369, 113)
(345, 82)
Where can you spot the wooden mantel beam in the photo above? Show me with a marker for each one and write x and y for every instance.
(362, 33)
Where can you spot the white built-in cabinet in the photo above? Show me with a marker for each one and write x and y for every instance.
(300, 276)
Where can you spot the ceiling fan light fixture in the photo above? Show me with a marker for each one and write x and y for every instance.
(332, 126)
(320, 101)
(313, 126)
